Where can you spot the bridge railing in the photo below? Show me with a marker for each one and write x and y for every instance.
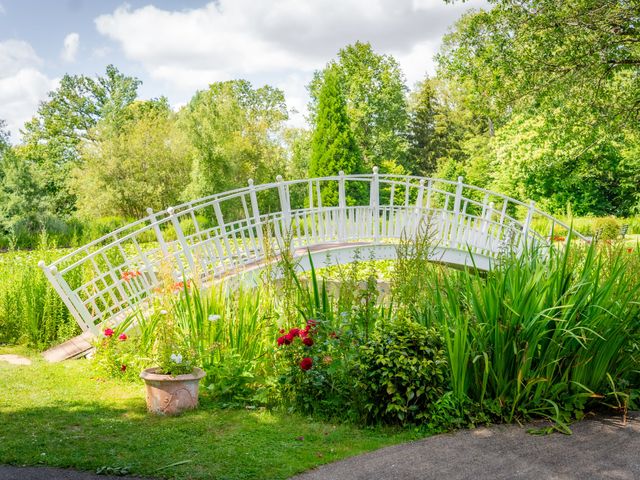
(222, 234)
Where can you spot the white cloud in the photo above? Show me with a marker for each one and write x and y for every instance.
(188, 49)
(2, 9)
(22, 84)
(70, 49)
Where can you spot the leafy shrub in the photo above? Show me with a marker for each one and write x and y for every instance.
(402, 372)
(319, 366)
(607, 227)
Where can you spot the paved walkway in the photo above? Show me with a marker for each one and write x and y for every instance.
(603, 448)
(598, 449)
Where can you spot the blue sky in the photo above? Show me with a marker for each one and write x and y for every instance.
(178, 47)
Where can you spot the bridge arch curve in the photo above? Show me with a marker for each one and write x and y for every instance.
(235, 232)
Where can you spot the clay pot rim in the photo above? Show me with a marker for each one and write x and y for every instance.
(150, 374)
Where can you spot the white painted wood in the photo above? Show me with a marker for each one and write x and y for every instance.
(237, 242)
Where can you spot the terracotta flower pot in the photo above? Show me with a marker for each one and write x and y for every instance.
(170, 395)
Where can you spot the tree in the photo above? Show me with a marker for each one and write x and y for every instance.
(143, 162)
(235, 133)
(556, 85)
(53, 138)
(333, 145)
(374, 90)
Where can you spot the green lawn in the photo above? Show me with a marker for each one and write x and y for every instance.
(60, 415)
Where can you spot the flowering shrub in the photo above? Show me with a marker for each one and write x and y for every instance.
(117, 356)
(318, 364)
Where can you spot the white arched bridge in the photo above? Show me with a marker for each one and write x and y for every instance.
(237, 232)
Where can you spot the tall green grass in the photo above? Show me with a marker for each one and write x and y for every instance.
(542, 337)
(31, 312)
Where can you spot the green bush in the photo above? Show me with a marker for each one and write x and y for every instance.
(608, 228)
(402, 372)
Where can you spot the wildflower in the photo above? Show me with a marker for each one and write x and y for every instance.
(108, 332)
(306, 363)
(163, 312)
(289, 338)
(123, 368)
(176, 358)
(214, 318)
(308, 341)
(122, 337)
(130, 274)
(294, 332)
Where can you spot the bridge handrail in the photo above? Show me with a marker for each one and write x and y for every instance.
(107, 259)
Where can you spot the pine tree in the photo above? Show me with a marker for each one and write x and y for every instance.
(333, 145)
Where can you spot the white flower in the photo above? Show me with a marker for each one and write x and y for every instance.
(176, 358)
(163, 312)
(214, 318)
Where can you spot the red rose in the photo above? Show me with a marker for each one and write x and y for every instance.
(281, 341)
(123, 368)
(294, 332)
(282, 330)
(108, 332)
(306, 363)
(288, 338)
(122, 337)
(304, 333)
(311, 323)
(307, 341)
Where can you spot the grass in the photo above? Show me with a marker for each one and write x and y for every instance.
(61, 415)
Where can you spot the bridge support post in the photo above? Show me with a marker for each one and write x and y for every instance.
(186, 249)
(342, 208)
(158, 232)
(256, 216)
(285, 208)
(527, 224)
(374, 205)
(453, 242)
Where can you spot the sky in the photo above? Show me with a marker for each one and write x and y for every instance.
(179, 47)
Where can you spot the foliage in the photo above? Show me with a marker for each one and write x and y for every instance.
(403, 371)
(542, 337)
(142, 162)
(318, 364)
(31, 311)
(333, 145)
(564, 128)
(374, 91)
(606, 228)
(53, 138)
(234, 133)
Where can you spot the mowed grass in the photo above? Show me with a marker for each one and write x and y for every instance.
(62, 415)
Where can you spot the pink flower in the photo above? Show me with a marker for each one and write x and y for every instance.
(122, 337)
(108, 332)
(306, 363)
